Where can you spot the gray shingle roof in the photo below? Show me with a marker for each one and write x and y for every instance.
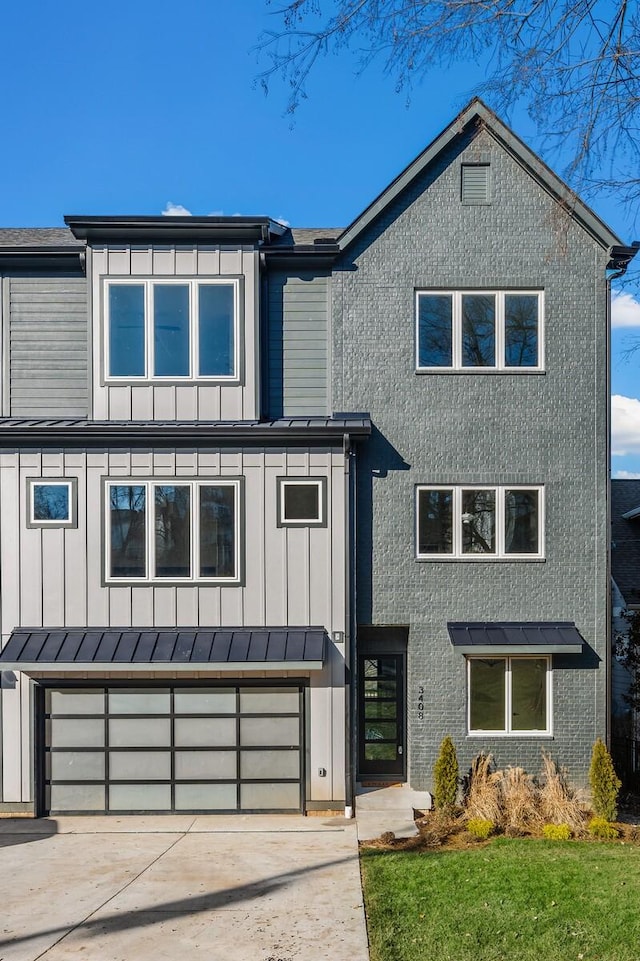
(38, 237)
(625, 537)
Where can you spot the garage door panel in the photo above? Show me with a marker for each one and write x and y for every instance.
(70, 732)
(140, 732)
(205, 732)
(76, 766)
(269, 731)
(269, 764)
(76, 797)
(206, 765)
(139, 797)
(271, 700)
(208, 701)
(139, 702)
(206, 797)
(140, 765)
(256, 797)
(75, 702)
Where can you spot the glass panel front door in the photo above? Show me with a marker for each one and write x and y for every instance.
(381, 749)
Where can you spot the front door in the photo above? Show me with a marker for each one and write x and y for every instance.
(381, 709)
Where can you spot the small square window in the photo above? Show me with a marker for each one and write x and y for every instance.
(51, 502)
(301, 502)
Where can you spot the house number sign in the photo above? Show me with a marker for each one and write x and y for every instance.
(420, 703)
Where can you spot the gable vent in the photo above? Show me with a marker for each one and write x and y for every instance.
(475, 184)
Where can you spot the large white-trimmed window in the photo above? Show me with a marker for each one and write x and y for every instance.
(172, 531)
(171, 329)
(479, 522)
(509, 695)
(479, 330)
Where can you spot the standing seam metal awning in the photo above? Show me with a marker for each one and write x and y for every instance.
(186, 649)
(515, 637)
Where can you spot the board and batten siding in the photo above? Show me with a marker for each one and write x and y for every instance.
(298, 344)
(292, 577)
(189, 400)
(47, 346)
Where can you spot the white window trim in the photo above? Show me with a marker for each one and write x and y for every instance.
(149, 486)
(500, 553)
(456, 321)
(194, 284)
(508, 732)
(320, 484)
(70, 484)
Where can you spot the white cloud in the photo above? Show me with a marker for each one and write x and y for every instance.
(625, 310)
(175, 210)
(625, 425)
(626, 475)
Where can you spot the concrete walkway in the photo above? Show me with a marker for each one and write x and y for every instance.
(265, 888)
(380, 810)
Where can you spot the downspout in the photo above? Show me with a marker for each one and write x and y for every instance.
(350, 634)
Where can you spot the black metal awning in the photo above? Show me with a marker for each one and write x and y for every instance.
(515, 637)
(128, 650)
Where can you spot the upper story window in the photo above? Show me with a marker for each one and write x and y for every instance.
(479, 523)
(172, 531)
(479, 330)
(171, 329)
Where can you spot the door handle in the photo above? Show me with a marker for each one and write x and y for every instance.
(399, 748)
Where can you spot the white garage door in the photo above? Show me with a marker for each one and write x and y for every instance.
(173, 749)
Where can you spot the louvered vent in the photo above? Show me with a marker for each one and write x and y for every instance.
(475, 184)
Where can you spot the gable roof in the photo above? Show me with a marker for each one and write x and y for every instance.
(474, 113)
(625, 538)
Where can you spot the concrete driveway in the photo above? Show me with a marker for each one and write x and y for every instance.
(259, 888)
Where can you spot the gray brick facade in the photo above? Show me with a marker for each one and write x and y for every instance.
(547, 428)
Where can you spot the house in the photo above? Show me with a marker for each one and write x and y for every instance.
(625, 588)
(281, 508)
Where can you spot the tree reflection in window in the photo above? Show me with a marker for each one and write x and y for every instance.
(478, 330)
(478, 521)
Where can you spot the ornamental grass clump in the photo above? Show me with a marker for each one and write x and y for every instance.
(445, 776)
(520, 802)
(604, 783)
(483, 799)
(559, 802)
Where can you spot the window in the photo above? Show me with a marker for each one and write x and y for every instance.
(509, 695)
(475, 523)
(458, 330)
(172, 531)
(51, 502)
(170, 329)
(301, 502)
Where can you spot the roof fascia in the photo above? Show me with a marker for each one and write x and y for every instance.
(100, 668)
(41, 257)
(133, 229)
(477, 112)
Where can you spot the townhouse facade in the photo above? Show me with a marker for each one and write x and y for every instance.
(281, 508)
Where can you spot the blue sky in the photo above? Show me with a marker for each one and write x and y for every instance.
(126, 108)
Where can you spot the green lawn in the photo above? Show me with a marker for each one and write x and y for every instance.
(512, 900)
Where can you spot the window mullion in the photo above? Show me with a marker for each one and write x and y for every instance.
(500, 330)
(507, 699)
(500, 522)
(149, 329)
(457, 521)
(195, 530)
(194, 352)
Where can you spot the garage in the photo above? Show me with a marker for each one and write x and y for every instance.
(173, 749)
(201, 737)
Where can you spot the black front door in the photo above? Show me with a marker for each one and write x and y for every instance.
(381, 709)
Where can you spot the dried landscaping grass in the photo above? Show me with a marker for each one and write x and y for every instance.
(559, 802)
(483, 799)
(520, 801)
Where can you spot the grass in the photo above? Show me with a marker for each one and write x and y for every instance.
(511, 900)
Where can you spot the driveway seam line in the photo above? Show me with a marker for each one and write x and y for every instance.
(113, 896)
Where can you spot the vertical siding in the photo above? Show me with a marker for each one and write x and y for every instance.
(297, 344)
(179, 401)
(48, 351)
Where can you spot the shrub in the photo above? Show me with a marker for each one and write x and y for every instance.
(480, 828)
(559, 803)
(604, 782)
(601, 828)
(557, 832)
(445, 776)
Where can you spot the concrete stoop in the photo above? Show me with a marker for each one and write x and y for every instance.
(380, 810)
